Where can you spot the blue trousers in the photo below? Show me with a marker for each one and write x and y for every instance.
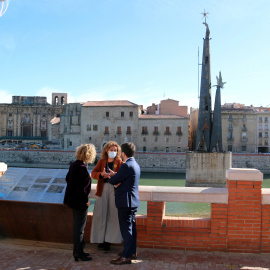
(128, 230)
(79, 222)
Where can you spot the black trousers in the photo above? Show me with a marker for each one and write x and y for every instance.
(128, 230)
(79, 222)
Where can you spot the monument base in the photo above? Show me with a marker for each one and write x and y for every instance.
(207, 169)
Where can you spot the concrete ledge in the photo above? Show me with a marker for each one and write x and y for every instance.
(265, 195)
(179, 194)
(237, 174)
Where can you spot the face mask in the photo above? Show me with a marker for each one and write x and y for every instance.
(112, 154)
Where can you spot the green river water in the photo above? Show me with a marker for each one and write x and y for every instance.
(174, 208)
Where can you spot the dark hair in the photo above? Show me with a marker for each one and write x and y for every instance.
(129, 149)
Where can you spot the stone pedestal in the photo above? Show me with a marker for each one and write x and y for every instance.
(207, 169)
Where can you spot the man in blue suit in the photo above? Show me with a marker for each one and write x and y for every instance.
(127, 201)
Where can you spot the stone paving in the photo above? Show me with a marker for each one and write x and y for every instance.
(30, 255)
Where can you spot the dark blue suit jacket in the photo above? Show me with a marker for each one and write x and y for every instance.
(127, 194)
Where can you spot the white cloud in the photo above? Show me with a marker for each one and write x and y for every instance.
(5, 97)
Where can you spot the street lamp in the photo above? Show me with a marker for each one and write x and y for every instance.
(3, 7)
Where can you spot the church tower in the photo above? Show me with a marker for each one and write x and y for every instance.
(204, 118)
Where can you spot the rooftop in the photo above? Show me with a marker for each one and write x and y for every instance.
(106, 103)
(160, 116)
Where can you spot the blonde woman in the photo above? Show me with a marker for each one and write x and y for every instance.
(76, 196)
(105, 224)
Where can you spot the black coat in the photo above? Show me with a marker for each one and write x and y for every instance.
(78, 186)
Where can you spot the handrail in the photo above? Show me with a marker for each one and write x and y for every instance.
(179, 194)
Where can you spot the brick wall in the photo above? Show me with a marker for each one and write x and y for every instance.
(242, 225)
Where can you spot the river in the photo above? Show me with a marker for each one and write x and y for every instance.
(175, 208)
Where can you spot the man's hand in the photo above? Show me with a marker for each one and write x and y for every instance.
(88, 203)
(111, 173)
(116, 186)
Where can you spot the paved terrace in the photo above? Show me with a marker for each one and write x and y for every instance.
(32, 255)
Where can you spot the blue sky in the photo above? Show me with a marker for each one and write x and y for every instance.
(143, 51)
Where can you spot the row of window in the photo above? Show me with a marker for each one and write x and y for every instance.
(128, 131)
(265, 119)
(122, 114)
(265, 134)
(261, 119)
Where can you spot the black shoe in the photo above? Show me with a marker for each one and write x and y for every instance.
(86, 254)
(81, 257)
(107, 246)
(101, 246)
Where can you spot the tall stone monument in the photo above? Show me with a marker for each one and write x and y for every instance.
(208, 164)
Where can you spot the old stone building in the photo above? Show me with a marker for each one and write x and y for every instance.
(98, 122)
(245, 129)
(28, 118)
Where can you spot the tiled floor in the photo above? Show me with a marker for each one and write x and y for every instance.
(24, 255)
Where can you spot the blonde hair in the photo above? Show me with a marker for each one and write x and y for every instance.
(86, 153)
(107, 146)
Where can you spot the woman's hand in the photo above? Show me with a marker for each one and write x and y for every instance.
(88, 203)
(104, 174)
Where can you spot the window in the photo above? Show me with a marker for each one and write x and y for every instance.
(9, 133)
(156, 138)
(130, 114)
(144, 139)
(229, 148)
(244, 127)
(10, 114)
(266, 142)
(144, 149)
(167, 132)
(70, 143)
(156, 130)
(266, 120)
(265, 127)
(144, 130)
(230, 126)
(260, 127)
(58, 115)
(179, 131)
(43, 115)
(95, 127)
(260, 134)
(128, 130)
(118, 130)
(178, 149)
(244, 136)
(107, 114)
(260, 141)
(88, 127)
(244, 118)
(167, 140)
(230, 136)
(230, 117)
(244, 148)
(260, 119)
(167, 149)
(265, 134)
(179, 139)
(122, 114)
(106, 130)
